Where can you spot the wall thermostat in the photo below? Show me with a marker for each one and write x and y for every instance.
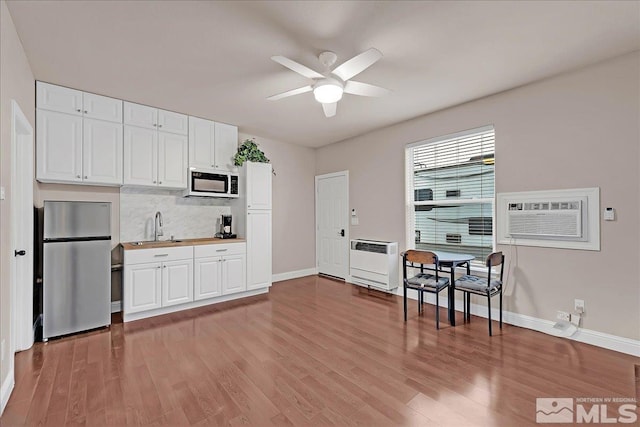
(609, 214)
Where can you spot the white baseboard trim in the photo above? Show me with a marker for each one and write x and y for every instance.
(587, 336)
(294, 274)
(7, 388)
(116, 306)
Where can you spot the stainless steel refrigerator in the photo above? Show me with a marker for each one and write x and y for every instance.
(76, 267)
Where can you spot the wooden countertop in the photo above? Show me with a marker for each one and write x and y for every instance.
(182, 242)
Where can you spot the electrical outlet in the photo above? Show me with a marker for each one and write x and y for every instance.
(579, 306)
(563, 315)
(575, 319)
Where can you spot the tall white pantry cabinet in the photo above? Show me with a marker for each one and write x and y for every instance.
(257, 206)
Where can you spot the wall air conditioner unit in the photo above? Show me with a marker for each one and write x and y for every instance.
(374, 264)
(545, 219)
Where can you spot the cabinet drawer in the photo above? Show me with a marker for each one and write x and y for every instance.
(220, 249)
(139, 256)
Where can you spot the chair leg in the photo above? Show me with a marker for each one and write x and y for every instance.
(468, 302)
(437, 310)
(404, 298)
(489, 310)
(500, 308)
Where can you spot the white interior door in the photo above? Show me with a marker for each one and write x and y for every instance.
(21, 230)
(332, 230)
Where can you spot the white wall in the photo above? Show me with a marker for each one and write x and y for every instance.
(575, 130)
(293, 204)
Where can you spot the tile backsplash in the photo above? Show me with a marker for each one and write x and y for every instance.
(183, 217)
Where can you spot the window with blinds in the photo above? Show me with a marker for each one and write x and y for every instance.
(450, 186)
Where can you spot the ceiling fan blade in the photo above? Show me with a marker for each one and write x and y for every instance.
(364, 89)
(298, 68)
(290, 93)
(357, 64)
(330, 109)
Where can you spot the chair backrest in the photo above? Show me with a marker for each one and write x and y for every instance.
(493, 260)
(421, 258)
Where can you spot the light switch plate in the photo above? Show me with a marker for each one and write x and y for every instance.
(609, 214)
(1, 193)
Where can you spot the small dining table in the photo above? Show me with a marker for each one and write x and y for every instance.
(452, 260)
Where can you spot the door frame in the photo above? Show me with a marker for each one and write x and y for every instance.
(22, 300)
(347, 229)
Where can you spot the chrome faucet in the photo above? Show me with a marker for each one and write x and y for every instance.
(157, 228)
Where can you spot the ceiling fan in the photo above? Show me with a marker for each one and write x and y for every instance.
(328, 87)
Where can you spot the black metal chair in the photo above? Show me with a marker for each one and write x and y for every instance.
(481, 285)
(423, 282)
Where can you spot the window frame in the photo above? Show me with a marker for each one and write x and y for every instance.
(410, 203)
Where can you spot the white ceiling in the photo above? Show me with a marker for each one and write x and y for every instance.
(212, 59)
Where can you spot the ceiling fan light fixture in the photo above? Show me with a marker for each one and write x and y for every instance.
(328, 93)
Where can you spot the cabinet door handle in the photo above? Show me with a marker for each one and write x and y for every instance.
(159, 126)
(158, 268)
(78, 110)
(164, 266)
(159, 182)
(85, 177)
(85, 111)
(154, 125)
(159, 255)
(221, 250)
(154, 182)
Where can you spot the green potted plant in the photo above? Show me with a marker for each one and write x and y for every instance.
(249, 151)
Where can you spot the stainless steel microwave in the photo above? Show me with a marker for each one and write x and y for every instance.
(211, 183)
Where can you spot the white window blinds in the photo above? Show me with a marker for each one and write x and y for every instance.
(451, 191)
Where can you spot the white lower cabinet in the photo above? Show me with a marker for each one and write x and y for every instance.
(177, 282)
(234, 277)
(143, 287)
(155, 278)
(207, 281)
(220, 270)
(166, 277)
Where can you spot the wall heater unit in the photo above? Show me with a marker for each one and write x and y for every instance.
(374, 264)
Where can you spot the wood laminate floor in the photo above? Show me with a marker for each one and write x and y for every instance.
(313, 352)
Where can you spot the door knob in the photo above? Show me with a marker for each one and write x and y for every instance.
(19, 253)
(342, 232)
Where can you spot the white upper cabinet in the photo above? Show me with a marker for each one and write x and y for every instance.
(140, 115)
(57, 98)
(201, 143)
(168, 121)
(258, 185)
(226, 146)
(59, 147)
(79, 137)
(212, 145)
(155, 147)
(154, 118)
(71, 101)
(101, 107)
(154, 159)
(102, 152)
(140, 156)
(172, 160)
